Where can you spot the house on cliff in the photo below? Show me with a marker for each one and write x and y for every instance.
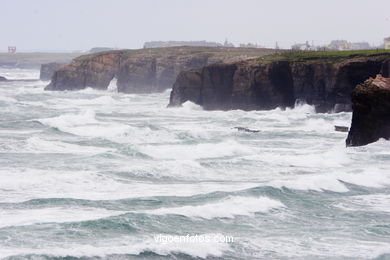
(339, 45)
(387, 43)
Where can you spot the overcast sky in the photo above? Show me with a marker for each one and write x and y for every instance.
(83, 24)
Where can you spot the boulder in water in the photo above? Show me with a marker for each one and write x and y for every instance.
(341, 128)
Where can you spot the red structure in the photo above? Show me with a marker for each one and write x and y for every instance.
(11, 49)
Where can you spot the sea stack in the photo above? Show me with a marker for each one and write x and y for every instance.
(371, 112)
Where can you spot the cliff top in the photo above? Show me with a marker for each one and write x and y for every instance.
(324, 56)
(187, 50)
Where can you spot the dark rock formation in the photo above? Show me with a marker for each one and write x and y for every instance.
(95, 71)
(371, 112)
(48, 69)
(2, 78)
(320, 79)
(143, 71)
(244, 129)
(339, 128)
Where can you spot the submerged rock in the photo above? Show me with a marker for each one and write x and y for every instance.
(324, 80)
(48, 69)
(244, 129)
(371, 112)
(341, 128)
(3, 78)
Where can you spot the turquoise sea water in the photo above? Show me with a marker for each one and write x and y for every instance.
(99, 174)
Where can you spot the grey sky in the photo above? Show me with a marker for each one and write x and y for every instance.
(83, 24)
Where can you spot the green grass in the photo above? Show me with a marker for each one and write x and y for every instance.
(186, 50)
(324, 56)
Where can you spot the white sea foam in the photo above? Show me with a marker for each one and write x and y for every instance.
(39, 145)
(311, 182)
(316, 247)
(188, 105)
(122, 245)
(226, 208)
(112, 87)
(198, 151)
(332, 181)
(22, 217)
(301, 108)
(7, 99)
(190, 152)
(86, 124)
(310, 157)
(22, 185)
(76, 102)
(374, 202)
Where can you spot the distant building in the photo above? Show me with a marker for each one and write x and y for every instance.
(228, 44)
(11, 49)
(360, 46)
(301, 46)
(387, 43)
(339, 45)
(162, 44)
(305, 47)
(342, 45)
(251, 45)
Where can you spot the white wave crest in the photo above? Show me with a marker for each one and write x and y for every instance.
(123, 245)
(26, 184)
(22, 217)
(198, 151)
(112, 87)
(39, 145)
(188, 105)
(86, 124)
(226, 208)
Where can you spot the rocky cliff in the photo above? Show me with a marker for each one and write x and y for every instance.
(323, 79)
(143, 71)
(371, 112)
(48, 69)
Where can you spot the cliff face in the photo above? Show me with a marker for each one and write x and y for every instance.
(270, 82)
(371, 112)
(96, 72)
(142, 71)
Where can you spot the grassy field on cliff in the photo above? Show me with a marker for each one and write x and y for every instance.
(187, 50)
(324, 56)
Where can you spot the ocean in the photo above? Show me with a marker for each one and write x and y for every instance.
(103, 175)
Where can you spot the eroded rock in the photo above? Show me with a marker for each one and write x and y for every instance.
(266, 83)
(371, 112)
(143, 71)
